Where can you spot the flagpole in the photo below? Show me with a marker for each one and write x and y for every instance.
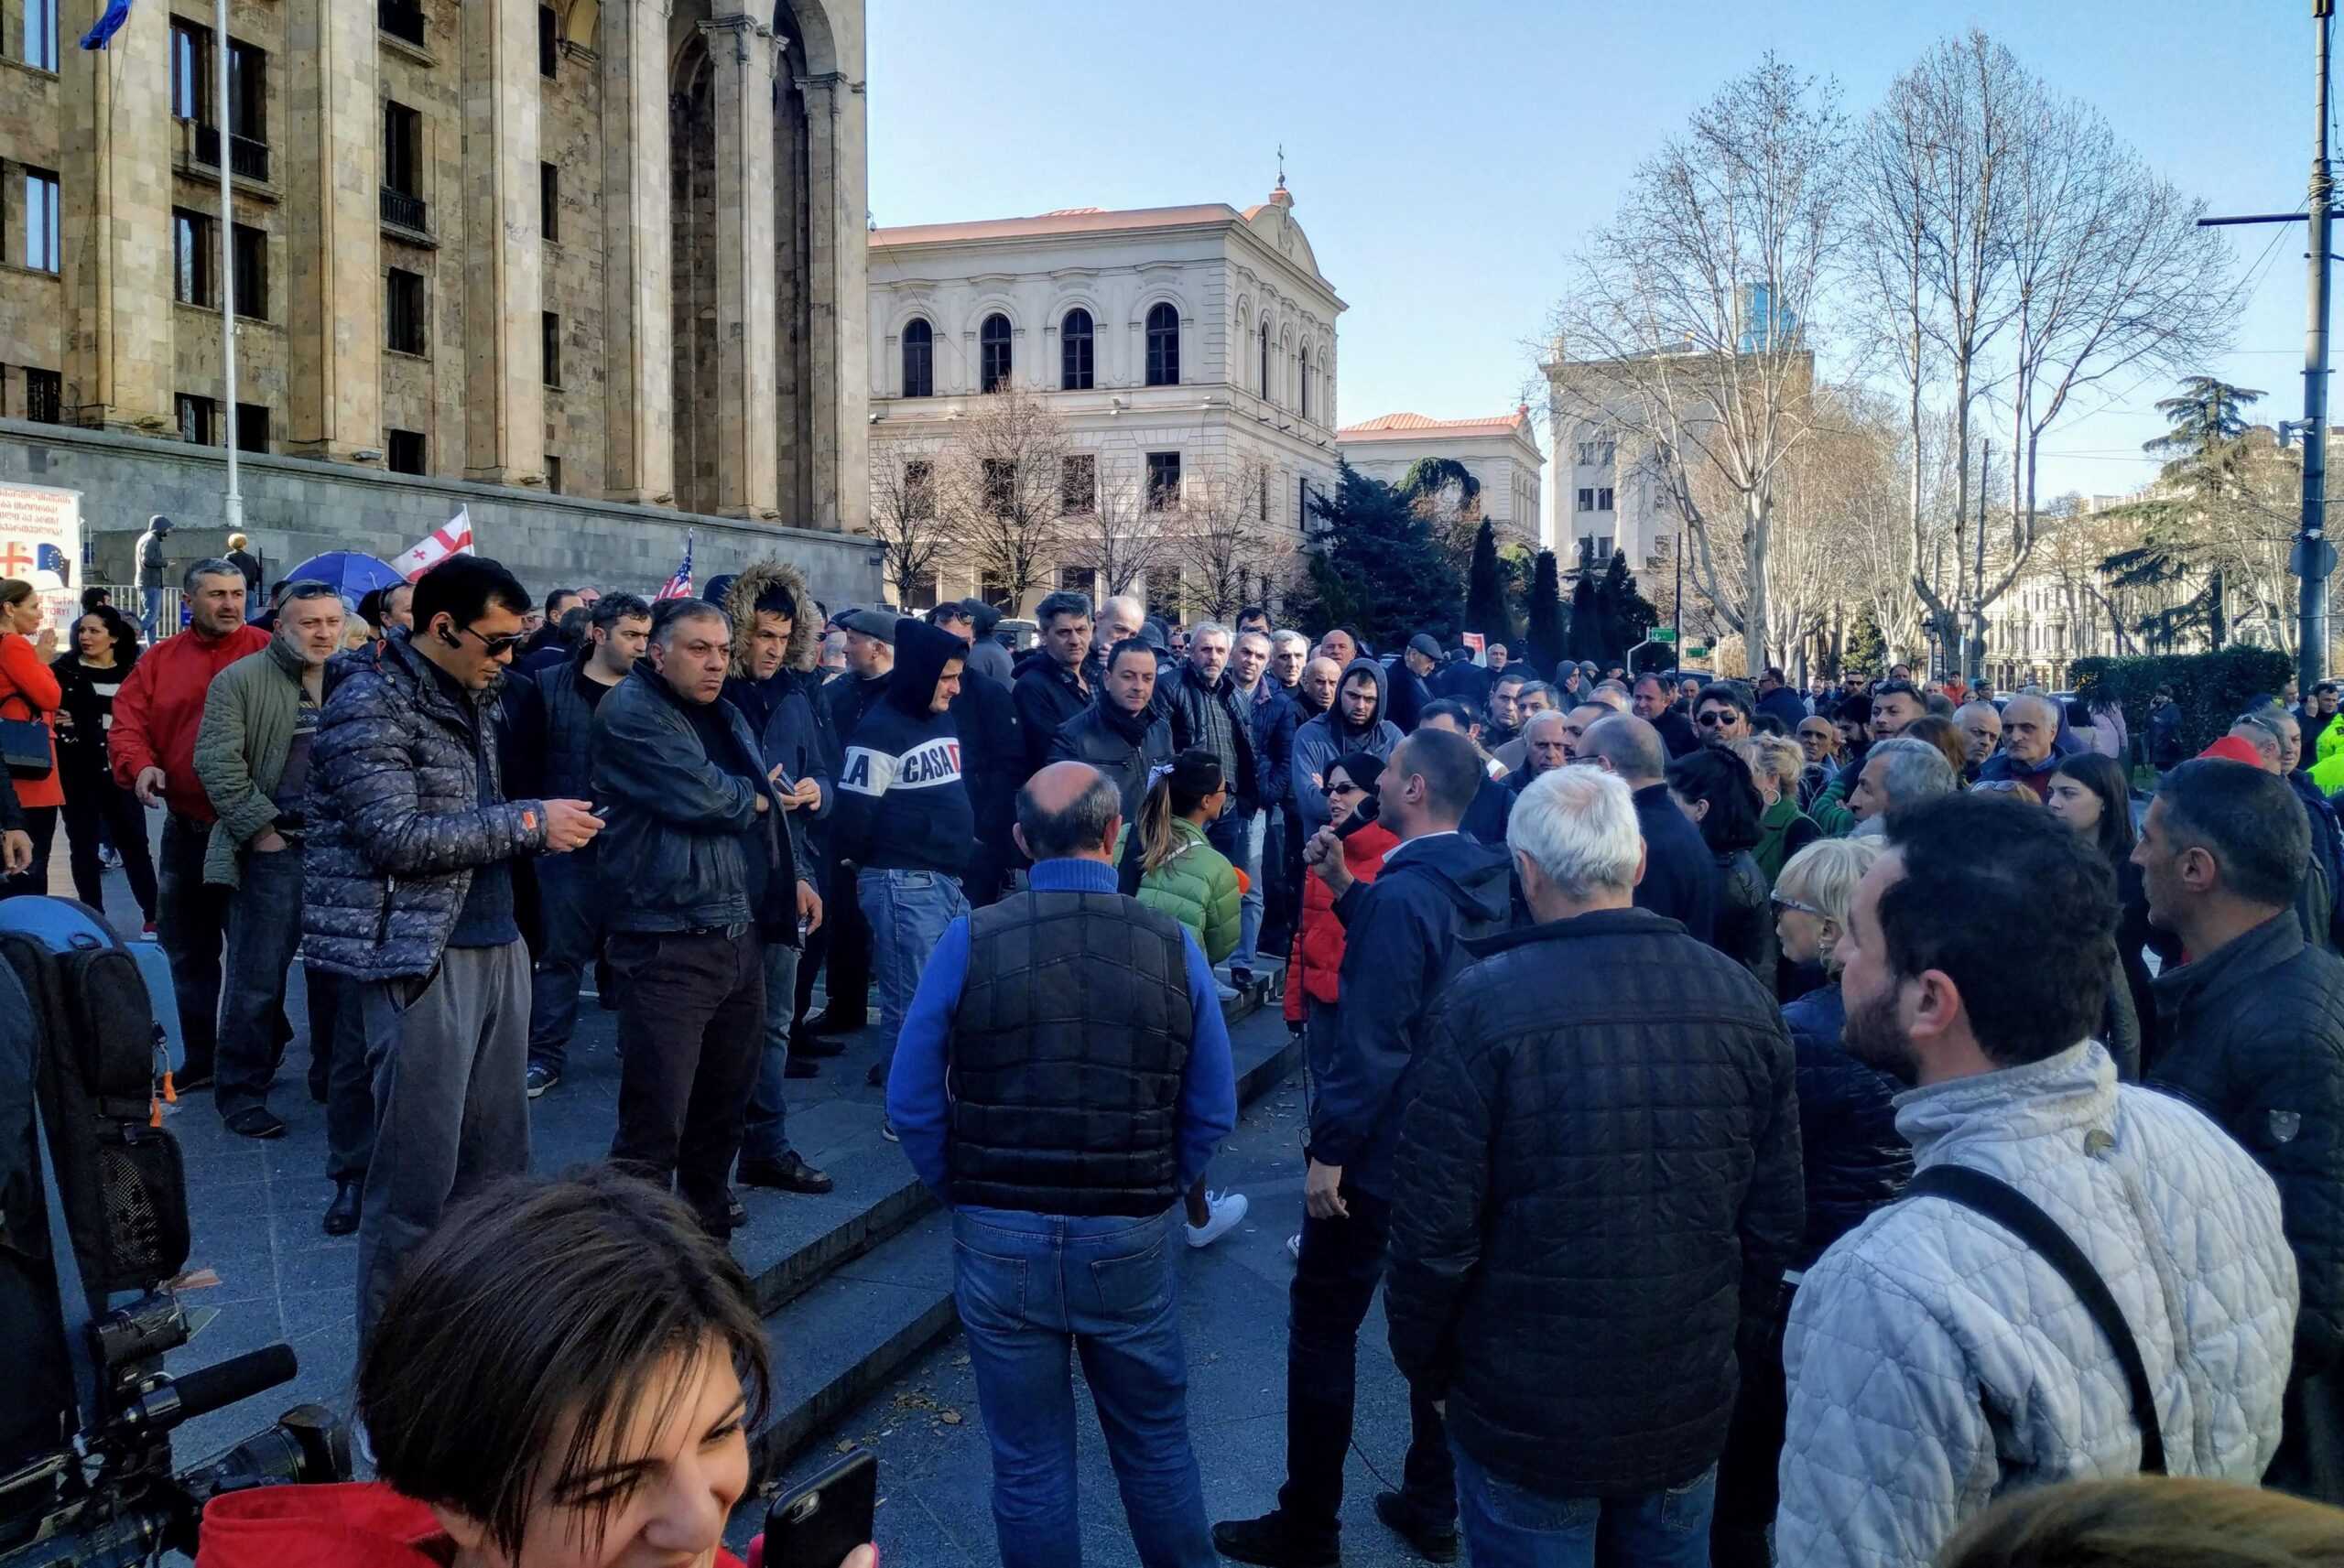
(233, 511)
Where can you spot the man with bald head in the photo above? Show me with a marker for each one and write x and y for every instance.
(1119, 618)
(1340, 645)
(1316, 692)
(2030, 728)
(1081, 1035)
(1681, 876)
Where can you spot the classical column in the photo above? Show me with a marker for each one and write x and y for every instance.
(741, 60)
(639, 289)
(837, 328)
(333, 231)
(115, 208)
(505, 397)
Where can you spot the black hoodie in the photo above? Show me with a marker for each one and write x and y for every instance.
(903, 800)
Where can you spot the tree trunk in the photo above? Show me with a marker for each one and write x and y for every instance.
(1755, 509)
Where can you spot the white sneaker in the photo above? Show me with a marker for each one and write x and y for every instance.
(887, 1132)
(1227, 1208)
(1293, 1246)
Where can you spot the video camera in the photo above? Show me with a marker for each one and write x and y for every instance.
(93, 1228)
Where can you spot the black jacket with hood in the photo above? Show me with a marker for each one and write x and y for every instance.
(783, 716)
(903, 801)
(1402, 942)
(1318, 741)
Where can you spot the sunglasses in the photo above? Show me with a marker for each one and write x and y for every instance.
(1779, 902)
(496, 648)
(1715, 717)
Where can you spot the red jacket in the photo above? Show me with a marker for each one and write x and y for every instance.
(358, 1524)
(160, 706)
(29, 689)
(1318, 938)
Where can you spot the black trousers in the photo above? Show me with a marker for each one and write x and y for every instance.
(1341, 1263)
(40, 826)
(1747, 1492)
(96, 808)
(192, 922)
(842, 942)
(691, 1025)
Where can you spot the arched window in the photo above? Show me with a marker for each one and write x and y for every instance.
(992, 353)
(1074, 351)
(1164, 346)
(919, 359)
(1264, 387)
(1302, 362)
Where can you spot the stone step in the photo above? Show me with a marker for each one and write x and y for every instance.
(857, 1283)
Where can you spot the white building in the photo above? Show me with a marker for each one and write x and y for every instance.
(1183, 346)
(1501, 452)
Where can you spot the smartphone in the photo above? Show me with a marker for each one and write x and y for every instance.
(817, 1525)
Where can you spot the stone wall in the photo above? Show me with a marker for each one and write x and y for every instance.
(294, 509)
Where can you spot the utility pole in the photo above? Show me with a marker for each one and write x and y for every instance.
(232, 507)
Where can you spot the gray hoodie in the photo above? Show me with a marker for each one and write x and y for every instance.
(1318, 741)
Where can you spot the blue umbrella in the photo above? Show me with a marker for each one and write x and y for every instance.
(349, 573)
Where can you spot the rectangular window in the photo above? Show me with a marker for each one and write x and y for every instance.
(993, 588)
(190, 258)
(1076, 579)
(920, 488)
(195, 419)
(252, 272)
(1078, 482)
(45, 396)
(553, 475)
(1603, 500)
(402, 150)
(42, 245)
(252, 428)
(923, 592)
(551, 327)
(191, 75)
(405, 451)
(1606, 454)
(247, 91)
(549, 201)
(403, 296)
(40, 34)
(1000, 485)
(1163, 479)
(1587, 498)
(548, 40)
(1587, 452)
(403, 19)
(1262, 494)
(1603, 546)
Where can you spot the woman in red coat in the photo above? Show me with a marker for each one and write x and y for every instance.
(565, 1377)
(29, 691)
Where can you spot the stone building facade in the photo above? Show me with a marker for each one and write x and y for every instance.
(1501, 453)
(608, 249)
(1193, 342)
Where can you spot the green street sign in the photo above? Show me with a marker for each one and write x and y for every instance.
(1664, 634)
(1696, 651)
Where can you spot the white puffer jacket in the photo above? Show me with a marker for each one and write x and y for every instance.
(1935, 1362)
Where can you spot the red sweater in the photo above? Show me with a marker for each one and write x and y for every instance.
(29, 689)
(358, 1524)
(160, 706)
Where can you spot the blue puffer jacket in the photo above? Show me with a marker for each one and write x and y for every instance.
(396, 822)
(1855, 1159)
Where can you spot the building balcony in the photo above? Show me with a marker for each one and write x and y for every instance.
(247, 159)
(404, 210)
(403, 19)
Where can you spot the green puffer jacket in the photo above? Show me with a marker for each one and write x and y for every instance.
(1197, 886)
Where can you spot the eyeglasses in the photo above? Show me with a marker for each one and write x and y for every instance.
(496, 648)
(1779, 902)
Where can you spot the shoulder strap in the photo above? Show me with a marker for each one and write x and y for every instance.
(2018, 1214)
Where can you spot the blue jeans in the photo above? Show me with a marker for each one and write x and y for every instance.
(766, 1134)
(907, 912)
(1507, 1526)
(1240, 840)
(150, 601)
(264, 930)
(1029, 1286)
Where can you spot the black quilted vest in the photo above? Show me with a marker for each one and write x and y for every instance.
(1067, 1053)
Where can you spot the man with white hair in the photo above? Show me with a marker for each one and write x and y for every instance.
(2030, 752)
(1898, 772)
(1609, 1102)
(1981, 724)
(1119, 618)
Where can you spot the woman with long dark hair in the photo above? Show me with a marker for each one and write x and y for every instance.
(2090, 793)
(88, 674)
(29, 694)
(1713, 788)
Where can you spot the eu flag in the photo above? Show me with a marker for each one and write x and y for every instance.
(101, 32)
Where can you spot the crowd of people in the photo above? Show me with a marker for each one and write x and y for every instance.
(1780, 1124)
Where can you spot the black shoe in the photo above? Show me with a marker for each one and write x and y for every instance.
(811, 1045)
(189, 1080)
(1433, 1542)
(835, 1021)
(800, 1067)
(791, 1173)
(342, 1214)
(1242, 980)
(1266, 1541)
(256, 1121)
(320, 1089)
(877, 1077)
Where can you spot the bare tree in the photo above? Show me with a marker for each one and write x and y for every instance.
(1691, 322)
(1113, 531)
(1219, 541)
(1001, 487)
(906, 520)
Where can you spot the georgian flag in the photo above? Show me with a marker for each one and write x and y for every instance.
(453, 537)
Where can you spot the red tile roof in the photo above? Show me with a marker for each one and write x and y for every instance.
(1416, 426)
(1065, 221)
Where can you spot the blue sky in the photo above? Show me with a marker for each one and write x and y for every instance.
(1446, 159)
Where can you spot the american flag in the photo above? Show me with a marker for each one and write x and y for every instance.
(453, 537)
(680, 585)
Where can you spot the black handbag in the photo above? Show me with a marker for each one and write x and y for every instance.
(24, 742)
